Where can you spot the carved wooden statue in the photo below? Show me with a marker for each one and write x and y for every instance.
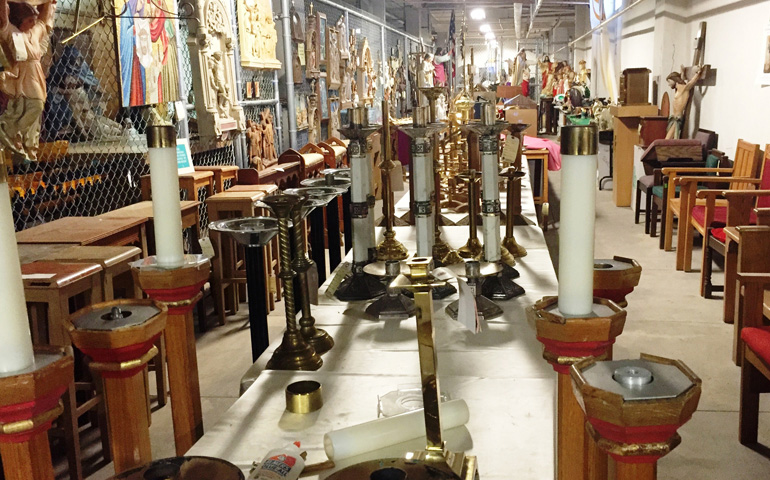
(269, 155)
(211, 56)
(333, 59)
(334, 118)
(346, 86)
(313, 130)
(342, 38)
(312, 47)
(682, 87)
(258, 35)
(254, 138)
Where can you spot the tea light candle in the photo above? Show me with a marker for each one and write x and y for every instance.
(576, 226)
(167, 209)
(15, 339)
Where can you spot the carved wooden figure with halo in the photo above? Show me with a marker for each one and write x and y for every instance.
(333, 59)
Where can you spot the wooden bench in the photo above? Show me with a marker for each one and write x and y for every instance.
(222, 173)
(335, 152)
(189, 182)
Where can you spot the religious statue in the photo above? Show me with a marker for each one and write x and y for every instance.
(441, 108)
(312, 117)
(254, 140)
(342, 38)
(218, 82)
(333, 55)
(24, 32)
(584, 73)
(311, 51)
(427, 68)
(269, 155)
(682, 87)
(257, 34)
(346, 95)
(549, 79)
(519, 65)
(334, 119)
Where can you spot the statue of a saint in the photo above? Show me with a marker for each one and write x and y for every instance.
(676, 81)
(24, 33)
(519, 65)
(269, 155)
(583, 73)
(219, 82)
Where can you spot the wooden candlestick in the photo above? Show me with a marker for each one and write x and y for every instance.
(615, 278)
(179, 290)
(29, 403)
(633, 408)
(568, 340)
(119, 336)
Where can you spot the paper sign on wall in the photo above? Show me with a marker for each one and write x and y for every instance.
(183, 156)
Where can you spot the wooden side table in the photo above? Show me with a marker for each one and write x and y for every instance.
(222, 173)
(539, 179)
(52, 284)
(191, 182)
(228, 263)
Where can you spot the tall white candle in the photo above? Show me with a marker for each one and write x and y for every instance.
(422, 164)
(167, 209)
(15, 339)
(361, 181)
(490, 195)
(576, 224)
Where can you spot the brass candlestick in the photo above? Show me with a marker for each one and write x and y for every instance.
(513, 177)
(475, 273)
(435, 462)
(389, 249)
(319, 339)
(394, 305)
(294, 353)
(473, 248)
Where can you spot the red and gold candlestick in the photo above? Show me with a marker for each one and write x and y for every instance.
(119, 336)
(29, 403)
(633, 409)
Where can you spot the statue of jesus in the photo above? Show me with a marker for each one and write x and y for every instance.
(676, 80)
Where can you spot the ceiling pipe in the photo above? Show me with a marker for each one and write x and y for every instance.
(517, 9)
(533, 14)
(605, 22)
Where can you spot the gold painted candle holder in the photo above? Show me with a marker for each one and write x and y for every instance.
(513, 177)
(473, 248)
(294, 353)
(389, 249)
(435, 462)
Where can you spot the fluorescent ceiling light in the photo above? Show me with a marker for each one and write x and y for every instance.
(478, 14)
(485, 28)
(489, 36)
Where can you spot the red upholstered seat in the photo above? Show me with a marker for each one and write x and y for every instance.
(719, 234)
(720, 215)
(758, 340)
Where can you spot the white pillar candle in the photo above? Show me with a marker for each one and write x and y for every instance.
(576, 224)
(15, 339)
(361, 181)
(490, 195)
(366, 437)
(422, 164)
(167, 210)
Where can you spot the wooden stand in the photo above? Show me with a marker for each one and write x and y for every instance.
(626, 127)
(179, 289)
(615, 278)
(637, 426)
(29, 403)
(119, 336)
(568, 340)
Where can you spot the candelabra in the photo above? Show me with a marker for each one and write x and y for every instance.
(360, 285)
(294, 353)
(390, 248)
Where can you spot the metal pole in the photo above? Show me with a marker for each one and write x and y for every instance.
(240, 141)
(288, 71)
(278, 123)
(366, 17)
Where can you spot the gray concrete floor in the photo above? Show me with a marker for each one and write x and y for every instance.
(666, 317)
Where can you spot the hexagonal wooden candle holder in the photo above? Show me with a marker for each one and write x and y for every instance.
(633, 408)
(615, 278)
(119, 336)
(568, 340)
(29, 403)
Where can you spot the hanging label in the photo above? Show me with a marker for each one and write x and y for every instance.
(467, 314)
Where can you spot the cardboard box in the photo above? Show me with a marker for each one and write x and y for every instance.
(523, 115)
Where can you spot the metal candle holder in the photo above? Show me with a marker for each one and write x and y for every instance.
(476, 273)
(514, 191)
(435, 461)
(337, 178)
(254, 234)
(513, 177)
(389, 249)
(473, 248)
(294, 353)
(394, 305)
(321, 341)
(360, 285)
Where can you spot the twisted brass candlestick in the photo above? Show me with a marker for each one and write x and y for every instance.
(389, 249)
(294, 353)
(513, 177)
(473, 248)
(319, 339)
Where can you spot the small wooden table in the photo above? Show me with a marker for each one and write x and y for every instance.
(266, 188)
(625, 124)
(190, 182)
(190, 213)
(222, 173)
(97, 231)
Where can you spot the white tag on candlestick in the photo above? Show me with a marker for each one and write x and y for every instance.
(207, 248)
(442, 274)
(467, 314)
(343, 270)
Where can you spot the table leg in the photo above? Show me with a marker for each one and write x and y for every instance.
(317, 242)
(333, 232)
(255, 281)
(346, 221)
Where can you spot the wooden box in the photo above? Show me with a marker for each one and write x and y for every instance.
(634, 86)
(652, 128)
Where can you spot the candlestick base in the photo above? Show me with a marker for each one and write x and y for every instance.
(501, 287)
(390, 249)
(473, 249)
(443, 254)
(486, 308)
(392, 306)
(359, 286)
(615, 278)
(318, 338)
(513, 246)
(419, 466)
(294, 353)
(29, 403)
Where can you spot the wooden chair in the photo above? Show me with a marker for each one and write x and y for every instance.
(743, 175)
(335, 152)
(752, 279)
(738, 211)
(284, 174)
(312, 161)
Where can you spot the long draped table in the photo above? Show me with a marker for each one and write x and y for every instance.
(499, 372)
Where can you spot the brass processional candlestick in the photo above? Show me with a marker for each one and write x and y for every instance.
(317, 197)
(513, 177)
(389, 249)
(294, 353)
(435, 462)
(472, 249)
(360, 285)
(500, 287)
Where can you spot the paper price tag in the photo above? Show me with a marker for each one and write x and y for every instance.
(38, 276)
(467, 314)
(207, 248)
(442, 274)
(343, 270)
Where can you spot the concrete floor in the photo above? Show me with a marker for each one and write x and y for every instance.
(666, 317)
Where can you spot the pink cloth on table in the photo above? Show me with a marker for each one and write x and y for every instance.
(554, 154)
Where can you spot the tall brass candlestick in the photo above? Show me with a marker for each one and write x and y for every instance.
(319, 339)
(473, 248)
(294, 353)
(389, 249)
(513, 177)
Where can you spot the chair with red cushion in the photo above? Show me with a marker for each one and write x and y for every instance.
(739, 210)
(755, 379)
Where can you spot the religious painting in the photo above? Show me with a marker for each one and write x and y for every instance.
(323, 94)
(322, 36)
(333, 70)
(146, 40)
(764, 76)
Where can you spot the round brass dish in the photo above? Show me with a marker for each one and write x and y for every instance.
(304, 397)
